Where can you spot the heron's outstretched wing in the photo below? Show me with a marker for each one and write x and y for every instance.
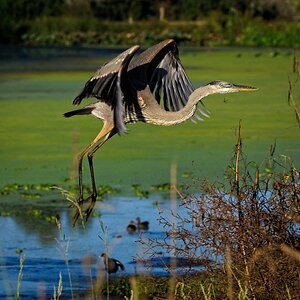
(106, 84)
(169, 82)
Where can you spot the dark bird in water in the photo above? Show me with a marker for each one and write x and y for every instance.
(131, 228)
(112, 265)
(142, 225)
(152, 88)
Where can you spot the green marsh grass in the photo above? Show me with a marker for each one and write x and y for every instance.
(38, 145)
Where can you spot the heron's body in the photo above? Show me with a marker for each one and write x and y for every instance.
(150, 113)
(153, 88)
(142, 105)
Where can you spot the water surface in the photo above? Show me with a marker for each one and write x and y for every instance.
(46, 248)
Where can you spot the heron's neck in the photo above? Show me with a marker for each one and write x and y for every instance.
(168, 118)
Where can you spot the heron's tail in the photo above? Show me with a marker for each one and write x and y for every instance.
(81, 111)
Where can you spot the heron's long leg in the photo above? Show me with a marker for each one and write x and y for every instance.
(90, 159)
(106, 129)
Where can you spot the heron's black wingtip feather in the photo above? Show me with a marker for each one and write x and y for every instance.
(77, 100)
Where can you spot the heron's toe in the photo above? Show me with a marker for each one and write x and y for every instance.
(78, 205)
(92, 198)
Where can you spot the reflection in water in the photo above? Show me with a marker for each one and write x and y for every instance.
(43, 230)
(45, 248)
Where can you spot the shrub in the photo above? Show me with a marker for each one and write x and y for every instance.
(247, 228)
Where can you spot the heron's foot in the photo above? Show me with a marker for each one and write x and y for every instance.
(87, 212)
(92, 198)
(78, 205)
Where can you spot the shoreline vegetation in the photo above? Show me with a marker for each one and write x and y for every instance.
(191, 23)
(85, 32)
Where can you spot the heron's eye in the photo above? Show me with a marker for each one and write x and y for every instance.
(226, 85)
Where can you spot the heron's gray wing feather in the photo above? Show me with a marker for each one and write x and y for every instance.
(170, 82)
(102, 84)
(106, 85)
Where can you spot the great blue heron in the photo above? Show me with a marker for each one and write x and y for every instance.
(153, 88)
(112, 265)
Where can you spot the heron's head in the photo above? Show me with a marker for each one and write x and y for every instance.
(104, 255)
(223, 87)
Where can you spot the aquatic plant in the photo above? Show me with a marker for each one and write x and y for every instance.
(139, 192)
(58, 291)
(20, 276)
(63, 249)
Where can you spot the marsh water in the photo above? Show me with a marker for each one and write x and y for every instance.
(48, 251)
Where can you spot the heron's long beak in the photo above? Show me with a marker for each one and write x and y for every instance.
(240, 88)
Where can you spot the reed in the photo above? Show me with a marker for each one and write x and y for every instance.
(58, 291)
(17, 294)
